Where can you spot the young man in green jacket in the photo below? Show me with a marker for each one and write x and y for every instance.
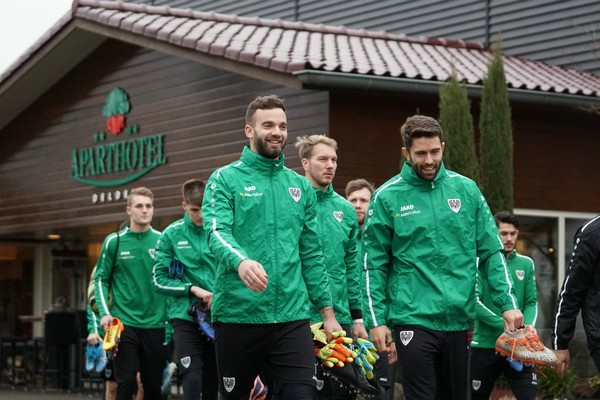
(261, 220)
(425, 230)
(184, 271)
(486, 364)
(125, 269)
(338, 231)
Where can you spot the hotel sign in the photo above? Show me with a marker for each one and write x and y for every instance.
(112, 163)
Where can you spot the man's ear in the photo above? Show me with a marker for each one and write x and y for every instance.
(249, 131)
(406, 153)
(304, 162)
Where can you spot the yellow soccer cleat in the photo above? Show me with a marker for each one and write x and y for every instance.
(112, 336)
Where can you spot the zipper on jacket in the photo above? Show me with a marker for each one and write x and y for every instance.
(274, 274)
(439, 274)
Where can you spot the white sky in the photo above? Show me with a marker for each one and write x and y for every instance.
(22, 22)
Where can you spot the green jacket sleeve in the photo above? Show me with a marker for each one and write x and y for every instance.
(489, 251)
(93, 322)
(530, 305)
(484, 315)
(103, 276)
(353, 271)
(218, 211)
(165, 253)
(376, 262)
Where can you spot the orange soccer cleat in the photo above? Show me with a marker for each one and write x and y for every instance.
(525, 346)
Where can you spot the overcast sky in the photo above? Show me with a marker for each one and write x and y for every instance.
(22, 22)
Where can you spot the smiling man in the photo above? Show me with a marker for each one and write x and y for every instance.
(261, 222)
(425, 230)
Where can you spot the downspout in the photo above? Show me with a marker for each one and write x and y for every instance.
(339, 80)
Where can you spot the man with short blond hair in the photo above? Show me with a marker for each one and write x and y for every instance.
(125, 270)
(338, 230)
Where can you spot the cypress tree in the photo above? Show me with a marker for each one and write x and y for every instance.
(457, 124)
(496, 140)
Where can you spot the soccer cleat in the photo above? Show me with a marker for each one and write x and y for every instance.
(259, 391)
(350, 376)
(112, 337)
(168, 372)
(101, 359)
(90, 357)
(525, 346)
(202, 315)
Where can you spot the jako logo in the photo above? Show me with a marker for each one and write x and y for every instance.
(127, 160)
(406, 208)
(249, 188)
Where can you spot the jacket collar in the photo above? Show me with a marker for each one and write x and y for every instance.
(324, 194)
(410, 176)
(190, 223)
(139, 235)
(261, 163)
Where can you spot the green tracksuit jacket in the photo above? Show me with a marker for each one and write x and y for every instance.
(257, 208)
(186, 242)
(421, 242)
(134, 300)
(489, 323)
(93, 322)
(338, 230)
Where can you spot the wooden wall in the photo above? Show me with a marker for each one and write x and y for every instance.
(199, 109)
(556, 165)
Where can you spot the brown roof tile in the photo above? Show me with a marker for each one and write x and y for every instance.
(288, 47)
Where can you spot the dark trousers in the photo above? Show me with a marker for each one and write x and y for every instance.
(140, 350)
(196, 361)
(434, 363)
(486, 368)
(284, 350)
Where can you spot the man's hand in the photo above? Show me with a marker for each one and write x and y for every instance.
(392, 355)
(513, 320)
(93, 339)
(562, 361)
(203, 295)
(359, 330)
(253, 275)
(381, 337)
(330, 323)
(106, 321)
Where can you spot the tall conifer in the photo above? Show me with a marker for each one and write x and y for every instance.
(457, 124)
(496, 140)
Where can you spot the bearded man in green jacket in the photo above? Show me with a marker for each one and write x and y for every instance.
(261, 222)
(425, 230)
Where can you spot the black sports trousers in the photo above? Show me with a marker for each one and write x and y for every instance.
(140, 350)
(434, 363)
(196, 361)
(285, 350)
(486, 368)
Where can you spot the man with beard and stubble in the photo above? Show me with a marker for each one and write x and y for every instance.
(426, 227)
(261, 222)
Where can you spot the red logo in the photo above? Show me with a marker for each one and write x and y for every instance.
(116, 106)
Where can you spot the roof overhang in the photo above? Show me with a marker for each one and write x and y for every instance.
(44, 69)
(323, 79)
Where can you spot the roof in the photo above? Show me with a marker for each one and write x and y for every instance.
(289, 47)
(296, 48)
